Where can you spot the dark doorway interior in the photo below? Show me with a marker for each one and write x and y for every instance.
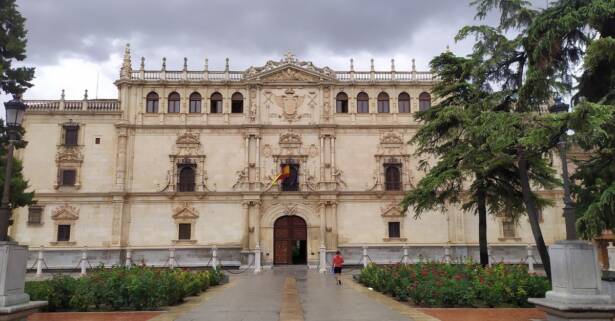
(290, 240)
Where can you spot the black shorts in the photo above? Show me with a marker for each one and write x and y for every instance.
(337, 270)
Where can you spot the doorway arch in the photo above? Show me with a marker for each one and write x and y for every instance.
(290, 240)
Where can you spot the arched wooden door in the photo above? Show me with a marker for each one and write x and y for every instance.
(290, 240)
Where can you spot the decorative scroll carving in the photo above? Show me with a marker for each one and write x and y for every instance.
(185, 211)
(65, 212)
(391, 138)
(188, 138)
(69, 155)
(290, 138)
(391, 210)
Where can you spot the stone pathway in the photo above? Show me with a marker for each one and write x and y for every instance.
(294, 294)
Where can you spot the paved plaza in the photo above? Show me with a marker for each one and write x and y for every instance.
(292, 294)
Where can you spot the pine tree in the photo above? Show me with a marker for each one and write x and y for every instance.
(13, 80)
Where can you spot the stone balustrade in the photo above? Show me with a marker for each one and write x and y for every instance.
(73, 105)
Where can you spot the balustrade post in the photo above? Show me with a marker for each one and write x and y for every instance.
(611, 253)
(84, 259)
(530, 259)
(172, 262)
(62, 102)
(128, 261)
(214, 257)
(490, 255)
(365, 256)
(39, 262)
(447, 254)
(257, 259)
(84, 104)
(405, 259)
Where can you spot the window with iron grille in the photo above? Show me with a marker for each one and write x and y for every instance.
(424, 101)
(394, 230)
(68, 177)
(185, 230)
(392, 177)
(35, 214)
(187, 178)
(237, 103)
(508, 228)
(362, 103)
(71, 135)
(403, 103)
(383, 102)
(216, 103)
(174, 103)
(195, 103)
(151, 105)
(63, 233)
(341, 103)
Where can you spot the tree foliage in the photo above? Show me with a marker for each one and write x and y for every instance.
(18, 195)
(13, 80)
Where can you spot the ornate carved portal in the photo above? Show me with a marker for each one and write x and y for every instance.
(290, 240)
(187, 154)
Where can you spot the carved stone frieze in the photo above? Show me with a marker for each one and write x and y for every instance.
(300, 70)
(65, 212)
(185, 212)
(290, 139)
(68, 154)
(391, 210)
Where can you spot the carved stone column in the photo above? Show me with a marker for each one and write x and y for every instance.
(323, 230)
(333, 244)
(245, 243)
(120, 168)
(257, 224)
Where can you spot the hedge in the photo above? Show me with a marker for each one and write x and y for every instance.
(456, 285)
(120, 288)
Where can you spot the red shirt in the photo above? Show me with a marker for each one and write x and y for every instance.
(338, 261)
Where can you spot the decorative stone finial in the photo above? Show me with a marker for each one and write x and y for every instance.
(371, 68)
(351, 64)
(392, 64)
(226, 65)
(206, 64)
(62, 96)
(164, 63)
(289, 57)
(185, 63)
(142, 64)
(85, 95)
(413, 65)
(126, 63)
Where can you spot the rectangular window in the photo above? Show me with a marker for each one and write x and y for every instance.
(237, 106)
(185, 230)
(71, 135)
(35, 214)
(97, 140)
(195, 106)
(341, 106)
(394, 231)
(216, 106)
(392, 177)
(68, 177)
(63, 233)
(508, 229)
(404, 106)
(362, 106)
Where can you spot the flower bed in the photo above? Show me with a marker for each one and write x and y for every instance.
(118, 288)
(456, 285)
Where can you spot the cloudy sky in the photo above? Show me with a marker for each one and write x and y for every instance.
(72, 43)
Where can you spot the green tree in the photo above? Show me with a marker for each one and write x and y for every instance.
(565, 35)
(19, 196)
(13, 80)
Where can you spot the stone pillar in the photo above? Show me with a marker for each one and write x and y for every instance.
(334, 235)
(257, 153)
(246, 237)
(405, 258)
(323, 230)
(365, 256)
(172, 262)
(576, 282)
(39, 262)
(530, 259)
(15, 304)
(214, 257)
(322, 158)
(611, 253)
(333, 152)
(128, 262)
(447, 254)
(84, 260)
(257, 225)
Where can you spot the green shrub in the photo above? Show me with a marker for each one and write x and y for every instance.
(456, 285)
(119, 288)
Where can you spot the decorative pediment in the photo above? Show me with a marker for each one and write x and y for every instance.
(289, 68)
(290, 138)
(185, 212)
(391, 138)
(65, 212)
(391, 210)
(188, 138)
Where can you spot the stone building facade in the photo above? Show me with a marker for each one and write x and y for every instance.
(185, 160)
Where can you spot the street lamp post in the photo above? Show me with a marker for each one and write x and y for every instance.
(15, 110)
(569, 211)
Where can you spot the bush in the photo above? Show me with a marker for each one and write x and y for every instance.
(119, 288)
(456, 285)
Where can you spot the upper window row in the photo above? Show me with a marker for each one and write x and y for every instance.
(195, 101)
(403, 102)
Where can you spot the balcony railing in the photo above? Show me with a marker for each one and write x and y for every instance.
(73, 105)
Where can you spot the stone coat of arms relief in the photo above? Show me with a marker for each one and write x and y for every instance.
(290, 104)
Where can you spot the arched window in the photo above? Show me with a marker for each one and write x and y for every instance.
(195, 103)
(216, 103)
(341, 103)
(392, 177)
(237, 103)
(424, 101)
(383, 102)
(173, 102)
(403, 102)
(362, 103)
(186, 179)
(151, 105)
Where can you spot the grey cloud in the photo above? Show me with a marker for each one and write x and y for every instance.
(242, 30)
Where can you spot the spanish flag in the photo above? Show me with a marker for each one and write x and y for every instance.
(281, 176)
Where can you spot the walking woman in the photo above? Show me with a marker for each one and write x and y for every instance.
(338, 263)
